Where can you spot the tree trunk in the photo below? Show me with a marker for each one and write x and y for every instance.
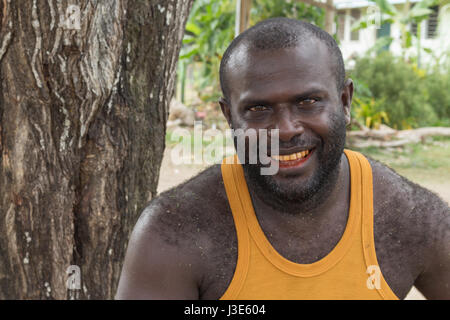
(85, 89)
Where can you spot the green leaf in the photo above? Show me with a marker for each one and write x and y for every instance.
(188, 40)
(408, 42)
(191, 27)
(419, 14)
(361, 24)
(381, 43)
(189, 54)
(427, 3)
(386, 7)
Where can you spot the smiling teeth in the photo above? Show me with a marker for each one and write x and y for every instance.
(291, 157)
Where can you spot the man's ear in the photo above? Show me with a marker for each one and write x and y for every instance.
(346, 98)
(226, 110)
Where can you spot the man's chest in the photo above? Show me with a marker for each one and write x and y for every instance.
(393, 255)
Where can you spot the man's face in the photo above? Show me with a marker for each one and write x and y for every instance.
(293, 90)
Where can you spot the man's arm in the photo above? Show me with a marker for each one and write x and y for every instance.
(434, 281)
(154, 267)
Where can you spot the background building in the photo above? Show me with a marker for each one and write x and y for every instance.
(434, 31)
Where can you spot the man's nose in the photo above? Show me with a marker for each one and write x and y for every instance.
(288, 128)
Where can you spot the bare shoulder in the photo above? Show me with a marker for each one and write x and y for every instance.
(193, 208)
(398, 199)
(407, 226)
(177, 237)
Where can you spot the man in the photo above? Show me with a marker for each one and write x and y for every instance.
(330, 224)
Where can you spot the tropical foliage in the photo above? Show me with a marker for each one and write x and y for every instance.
(391, 91)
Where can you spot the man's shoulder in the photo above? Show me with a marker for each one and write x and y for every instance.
(173, 242)
(407, 226)
(187, 234)
(189, 211)
(391, 187)
(409, 210)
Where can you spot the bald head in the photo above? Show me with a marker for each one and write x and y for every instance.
(279, 33)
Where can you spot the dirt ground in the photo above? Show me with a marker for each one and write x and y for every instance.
(172, 175)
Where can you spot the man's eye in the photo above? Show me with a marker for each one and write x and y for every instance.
(308, 101)
(258, 108)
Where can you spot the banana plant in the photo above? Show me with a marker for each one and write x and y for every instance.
(370, 112)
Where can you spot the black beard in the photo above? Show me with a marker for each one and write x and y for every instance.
(293, 198)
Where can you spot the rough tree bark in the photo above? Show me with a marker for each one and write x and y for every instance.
(83, 107)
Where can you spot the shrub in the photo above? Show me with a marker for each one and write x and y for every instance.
(437, 85)
(404, 90)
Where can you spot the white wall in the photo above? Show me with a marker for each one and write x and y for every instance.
(367, 38)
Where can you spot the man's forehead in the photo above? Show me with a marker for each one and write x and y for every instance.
(307, 62)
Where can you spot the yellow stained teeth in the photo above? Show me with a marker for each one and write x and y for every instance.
(291, 157)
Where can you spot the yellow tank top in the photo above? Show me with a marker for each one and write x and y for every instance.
(349, 271)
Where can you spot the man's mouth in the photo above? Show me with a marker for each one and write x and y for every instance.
(292, 156)
(293, 159)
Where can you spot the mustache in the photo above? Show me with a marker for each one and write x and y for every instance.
(298, 141)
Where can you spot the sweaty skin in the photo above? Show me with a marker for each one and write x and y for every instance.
(184, 245)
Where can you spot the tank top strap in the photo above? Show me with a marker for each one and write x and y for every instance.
(230, 176)
(368, 238)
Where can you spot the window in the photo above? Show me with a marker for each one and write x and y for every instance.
(356, 15)
(384, 30)
(414, 29)
(432, 23)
